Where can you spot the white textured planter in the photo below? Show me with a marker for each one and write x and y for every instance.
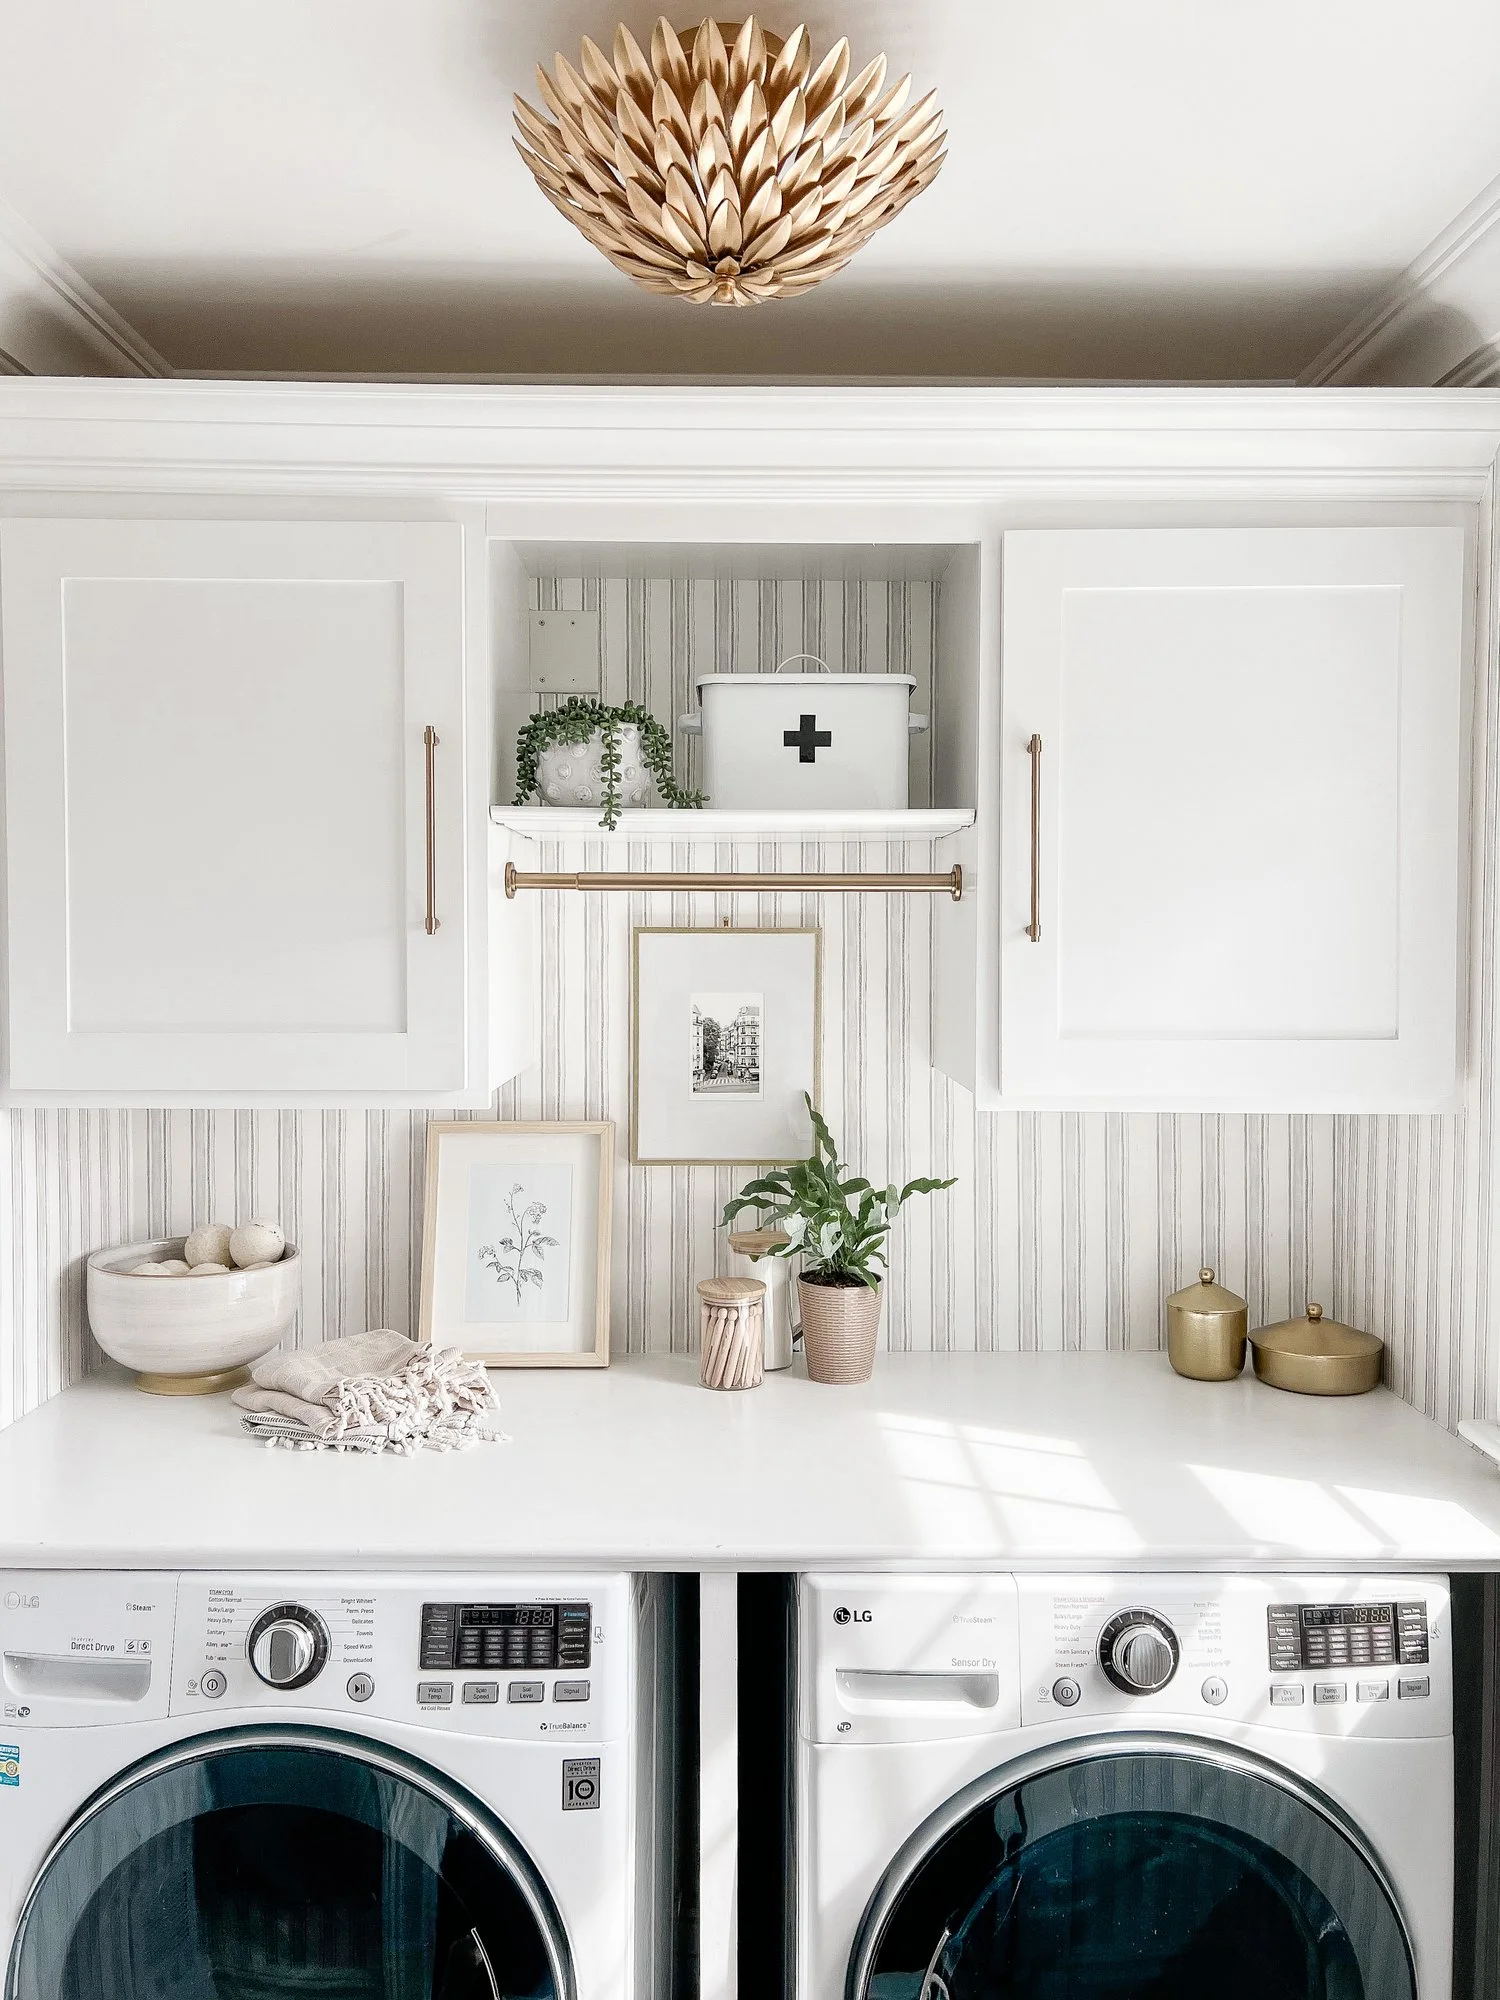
(189, 1336)
(570, 774)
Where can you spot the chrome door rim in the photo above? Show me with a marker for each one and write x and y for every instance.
(498, 1842)
(979, 1791)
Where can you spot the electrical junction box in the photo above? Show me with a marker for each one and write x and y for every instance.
(564, 652)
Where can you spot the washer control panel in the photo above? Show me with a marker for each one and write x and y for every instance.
(511, 1660)
(543, 1637)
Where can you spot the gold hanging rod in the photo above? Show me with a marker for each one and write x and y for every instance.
(950, 883)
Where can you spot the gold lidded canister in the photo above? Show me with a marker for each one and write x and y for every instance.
(1206, 1326)
(1317, 1357)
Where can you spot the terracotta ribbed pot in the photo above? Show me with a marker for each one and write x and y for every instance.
(839, 1324)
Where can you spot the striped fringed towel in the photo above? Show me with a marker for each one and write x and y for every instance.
(374, 1391)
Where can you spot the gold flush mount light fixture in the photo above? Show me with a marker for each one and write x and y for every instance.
(725, 168)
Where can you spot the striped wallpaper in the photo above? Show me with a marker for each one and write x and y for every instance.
(658, 634)
(1417, 1226)
(1066, 1230)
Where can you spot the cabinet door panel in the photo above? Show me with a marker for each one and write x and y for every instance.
(1248, 839)
(216, 808)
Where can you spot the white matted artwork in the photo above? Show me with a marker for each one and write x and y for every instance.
(515, 1241)
(727, 1033)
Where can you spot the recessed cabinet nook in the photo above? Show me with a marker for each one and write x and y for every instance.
(1201, 665)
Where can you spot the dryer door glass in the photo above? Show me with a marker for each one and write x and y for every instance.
(1149, 1875)
(275, 1864)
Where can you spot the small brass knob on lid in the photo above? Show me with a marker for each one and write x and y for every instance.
(1314, 1356)
(1206, 1326)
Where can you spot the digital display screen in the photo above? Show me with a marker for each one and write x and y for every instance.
(1348, 1614)
(489, 1637)
(508, 1614)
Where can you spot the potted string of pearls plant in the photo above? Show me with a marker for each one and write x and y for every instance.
(587, 753)
(838, 1224)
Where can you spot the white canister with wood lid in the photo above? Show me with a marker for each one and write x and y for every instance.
(752, 1257)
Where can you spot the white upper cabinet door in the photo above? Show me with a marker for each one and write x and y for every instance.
(1247, 793)
(217, 821)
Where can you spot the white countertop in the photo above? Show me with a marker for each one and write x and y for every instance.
(941, 1462)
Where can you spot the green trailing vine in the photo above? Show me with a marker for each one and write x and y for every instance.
(581, 717)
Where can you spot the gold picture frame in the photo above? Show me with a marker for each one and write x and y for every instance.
(496, 1281)
(775, 973)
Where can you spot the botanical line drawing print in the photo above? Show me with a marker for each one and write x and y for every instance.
(524, 1241)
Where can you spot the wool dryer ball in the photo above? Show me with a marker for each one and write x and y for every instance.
(209, 1245)
(256, 1243)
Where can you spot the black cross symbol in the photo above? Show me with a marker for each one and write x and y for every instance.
(808, 740)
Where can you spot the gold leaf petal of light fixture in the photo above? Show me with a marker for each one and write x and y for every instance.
(724, 167)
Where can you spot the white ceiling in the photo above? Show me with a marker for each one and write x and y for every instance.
(1134, 188)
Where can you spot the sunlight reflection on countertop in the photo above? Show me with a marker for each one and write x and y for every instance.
(941, 1462)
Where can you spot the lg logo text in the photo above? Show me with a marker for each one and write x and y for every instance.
(844, 1616)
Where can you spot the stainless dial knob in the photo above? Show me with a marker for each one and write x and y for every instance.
(288, 1646)
(1138, 1651)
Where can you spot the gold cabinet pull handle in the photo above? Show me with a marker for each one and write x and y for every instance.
(1034, 752)
(430, 744)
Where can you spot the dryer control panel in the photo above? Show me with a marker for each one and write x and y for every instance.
(1325, 1655)
(928, 1659)
(1348, 1635)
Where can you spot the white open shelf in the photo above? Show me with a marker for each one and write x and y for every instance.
(708, 823)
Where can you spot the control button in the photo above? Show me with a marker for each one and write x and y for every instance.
(1138, 1651)
(434, 1694)
(1373, 1690)
(1326, 1691)
(360, 1687)
(288, 1646)
(1215, 1691)
(1287, 1694)
(1066, 1692)
(212, 1684)
(526, 1691)
(481, 1693)
(572, 1691)
(1414, 1690)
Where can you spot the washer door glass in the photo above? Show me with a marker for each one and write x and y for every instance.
(282, 1864)
(1147, 1875)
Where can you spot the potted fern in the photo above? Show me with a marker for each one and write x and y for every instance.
(837, 1223)
(587, 753)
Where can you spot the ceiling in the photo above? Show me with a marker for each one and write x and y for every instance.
(1161, 189)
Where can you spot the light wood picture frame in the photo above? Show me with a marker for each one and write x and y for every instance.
(516, 1241)
(761, 989)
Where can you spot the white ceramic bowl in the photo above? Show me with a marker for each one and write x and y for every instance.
(189, 1336)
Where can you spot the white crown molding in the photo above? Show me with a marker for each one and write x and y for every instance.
(53, 322)
(1439, 321)
(935, 460)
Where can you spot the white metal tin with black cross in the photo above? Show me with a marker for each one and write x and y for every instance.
(820, 740)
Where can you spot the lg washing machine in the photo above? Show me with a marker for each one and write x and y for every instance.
(233, 1787)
